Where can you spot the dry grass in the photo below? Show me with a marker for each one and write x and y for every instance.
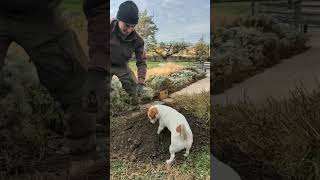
(200, 106)
(164, 69)
(281, 132)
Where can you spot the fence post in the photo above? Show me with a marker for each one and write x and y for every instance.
(297, 12)
(252, 7)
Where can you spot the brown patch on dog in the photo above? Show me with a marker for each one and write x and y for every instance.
(153, 111)
(178, 129)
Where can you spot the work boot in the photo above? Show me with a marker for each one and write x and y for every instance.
(81, 160)
(91, 170)
(81, 163)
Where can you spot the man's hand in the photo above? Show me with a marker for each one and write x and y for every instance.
(140, 90)
(95, 91)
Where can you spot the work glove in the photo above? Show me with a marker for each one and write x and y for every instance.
(95, 92)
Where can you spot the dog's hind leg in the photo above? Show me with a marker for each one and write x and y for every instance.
(187, 151)
(172, 154)
(188, 147)
(169, 161)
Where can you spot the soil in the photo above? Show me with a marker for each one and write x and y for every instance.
(136, 139)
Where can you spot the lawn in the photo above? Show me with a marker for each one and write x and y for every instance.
(160, 67)
(196, 166)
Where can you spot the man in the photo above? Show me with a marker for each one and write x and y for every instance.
(124, 40)
(53, 47)
(97, 90)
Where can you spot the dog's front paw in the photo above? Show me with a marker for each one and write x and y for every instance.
(158, 132)
(186, 154)
(168, 161)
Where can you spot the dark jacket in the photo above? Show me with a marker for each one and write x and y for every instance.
(121, 50)
(98, 34)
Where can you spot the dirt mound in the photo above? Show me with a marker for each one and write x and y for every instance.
(136, 139)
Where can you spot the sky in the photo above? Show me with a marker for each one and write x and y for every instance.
(177, 20)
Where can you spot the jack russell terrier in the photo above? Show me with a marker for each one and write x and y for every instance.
(181, 134)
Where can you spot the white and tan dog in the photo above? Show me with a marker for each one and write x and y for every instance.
(181, 134)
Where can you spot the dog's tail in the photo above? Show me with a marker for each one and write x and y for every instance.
(181, 129)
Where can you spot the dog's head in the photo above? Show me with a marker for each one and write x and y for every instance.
(153, 113)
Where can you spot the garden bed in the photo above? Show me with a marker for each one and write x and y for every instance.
(154, 84)
(278, 139)
(250, 45)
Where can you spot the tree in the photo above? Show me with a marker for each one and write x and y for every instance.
(201, 49)
(165, 50)
(146, 27)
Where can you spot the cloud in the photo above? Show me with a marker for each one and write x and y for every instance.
(176, 20)
(191, 32)
(198, 28)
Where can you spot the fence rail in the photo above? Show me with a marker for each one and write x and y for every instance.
(203, 65)
(298, 13)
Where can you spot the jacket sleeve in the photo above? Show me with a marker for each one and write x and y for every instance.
(98, 29)
(141, 61)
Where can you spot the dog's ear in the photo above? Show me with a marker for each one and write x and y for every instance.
(153, 112)
(147, 106)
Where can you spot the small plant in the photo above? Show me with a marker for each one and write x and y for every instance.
(197, 104)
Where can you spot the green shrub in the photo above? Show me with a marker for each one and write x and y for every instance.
(120, 100)
(253, 43)
(200, 106)
(283, 132)
(29, 114)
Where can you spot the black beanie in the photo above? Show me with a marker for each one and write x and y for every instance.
(128, 12)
